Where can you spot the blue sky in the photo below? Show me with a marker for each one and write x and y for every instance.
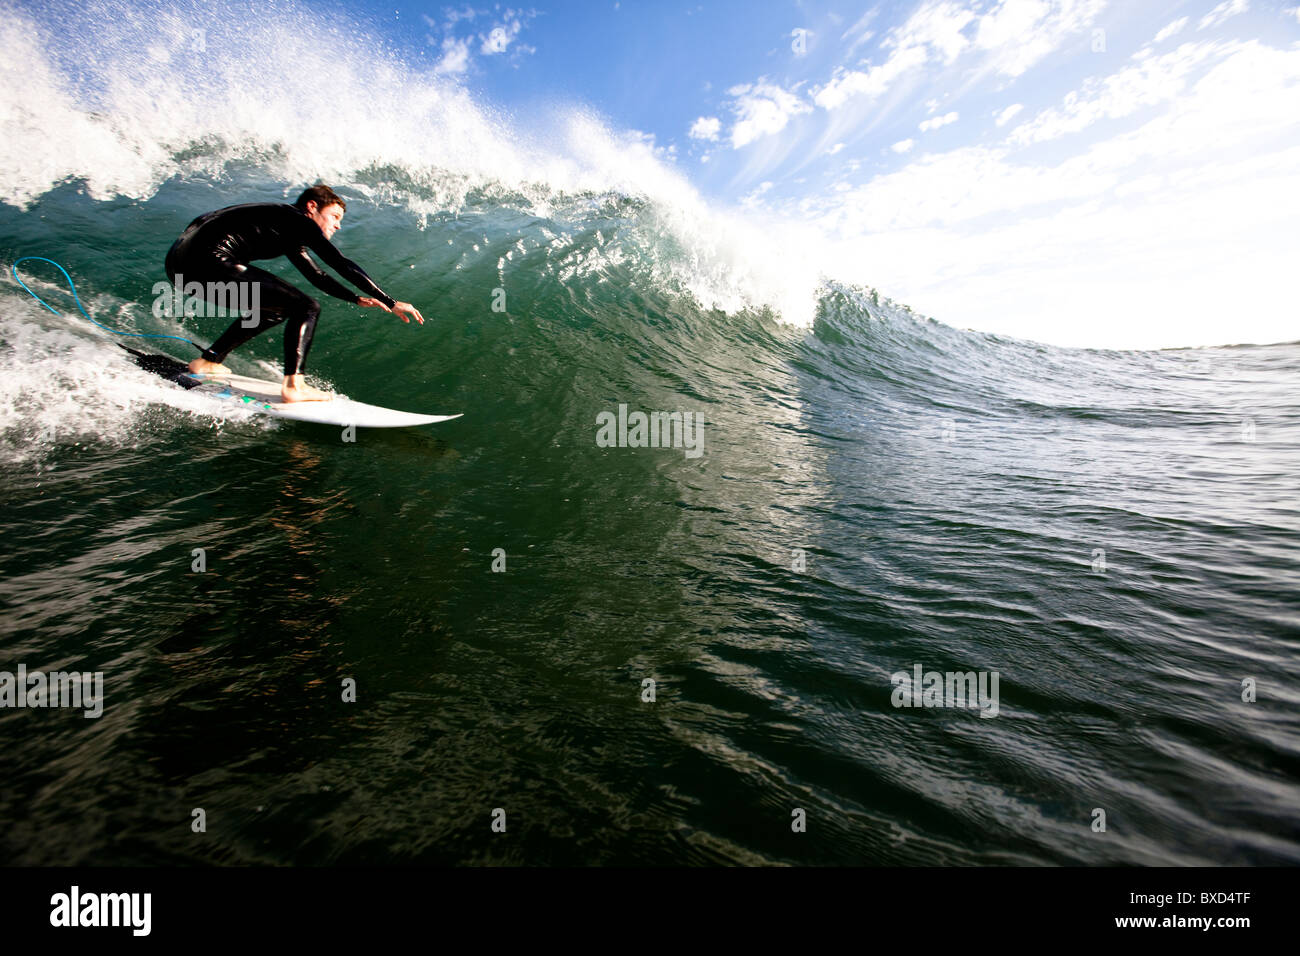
(979, 159)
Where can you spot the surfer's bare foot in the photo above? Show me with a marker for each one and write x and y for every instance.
(204, 367)
(295, 389)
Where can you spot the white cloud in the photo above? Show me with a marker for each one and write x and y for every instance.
(1149, 82)
(459, 42)
(1156, 224)
(453, 15)
(706, 127)
(1198, 263)
(1172, 30)
(1229, 8)
(933, 30)
(946, 189)
(937, 27)
(1013, 35)
(763, 109)
(903, 145)
(834, 149)
(499, 38)
(1005, 116)
(455, 56)
(1294, 11)
(875, 81)
(753, 199)
(938, 121)
(859, 31)
(1016, 34)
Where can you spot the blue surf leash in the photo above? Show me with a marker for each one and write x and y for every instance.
(80, 308)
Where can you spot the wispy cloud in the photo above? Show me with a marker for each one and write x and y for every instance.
(462, 32)
(1016, 34)
(1003, 117)
(1251, 91)
(873, 82)
(752, 200)
(1011, 37)
(859, 31)
(1229, 8)
(938, 121)
(1172, 30)
(933, 32)
(761, 109)
(1151, 81)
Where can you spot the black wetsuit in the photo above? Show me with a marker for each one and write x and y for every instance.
(217, 247)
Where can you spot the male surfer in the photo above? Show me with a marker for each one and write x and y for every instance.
(215, 249)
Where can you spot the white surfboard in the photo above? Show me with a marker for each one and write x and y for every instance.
(264, 396)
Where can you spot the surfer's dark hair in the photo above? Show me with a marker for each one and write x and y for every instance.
(322, 195)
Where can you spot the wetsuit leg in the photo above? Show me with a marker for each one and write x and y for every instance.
(277, 302)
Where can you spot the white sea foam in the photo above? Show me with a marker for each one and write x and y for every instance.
(59, 386)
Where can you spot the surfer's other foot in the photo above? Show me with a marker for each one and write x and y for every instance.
(304, 393)
(204, 367)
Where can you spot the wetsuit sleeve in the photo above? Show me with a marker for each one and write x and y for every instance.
(320, 278)
(346, 268)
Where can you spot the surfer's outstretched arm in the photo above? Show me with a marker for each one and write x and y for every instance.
(320, 278)
(354, 274)
(348, 269)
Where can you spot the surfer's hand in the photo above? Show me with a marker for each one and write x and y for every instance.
(400, 308)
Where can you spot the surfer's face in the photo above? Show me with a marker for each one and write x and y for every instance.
(329, 219)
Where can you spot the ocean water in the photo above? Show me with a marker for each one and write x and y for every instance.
(371, 648)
